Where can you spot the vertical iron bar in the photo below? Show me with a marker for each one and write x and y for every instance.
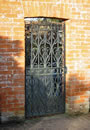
(51, 59)
(57, 56)
(38, 44)
(31, 47)
(45, 48)
(45, 57)
(51, 45)
(64, 66)
(62, 58)
(57, 46)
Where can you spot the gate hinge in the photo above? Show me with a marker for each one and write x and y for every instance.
(65, 69)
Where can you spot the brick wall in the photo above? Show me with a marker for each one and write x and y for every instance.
(12, 60)
(12, 52)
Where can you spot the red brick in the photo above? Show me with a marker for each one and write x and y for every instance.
(12, 43)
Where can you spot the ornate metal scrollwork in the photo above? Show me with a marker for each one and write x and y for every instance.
(45, 68)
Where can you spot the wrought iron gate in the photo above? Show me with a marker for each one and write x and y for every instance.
(45, 91)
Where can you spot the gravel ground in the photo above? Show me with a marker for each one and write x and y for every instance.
(56, 122)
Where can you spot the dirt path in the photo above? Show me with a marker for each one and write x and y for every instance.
(58, 122)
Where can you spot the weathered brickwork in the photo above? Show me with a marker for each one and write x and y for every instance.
(12, 52)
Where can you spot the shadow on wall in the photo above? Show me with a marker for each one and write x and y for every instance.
(12, 97)
(12, 81)
(77, 93)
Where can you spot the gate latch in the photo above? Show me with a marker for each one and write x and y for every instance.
(65, 69)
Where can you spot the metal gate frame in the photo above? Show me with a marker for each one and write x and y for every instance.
(65, 71)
